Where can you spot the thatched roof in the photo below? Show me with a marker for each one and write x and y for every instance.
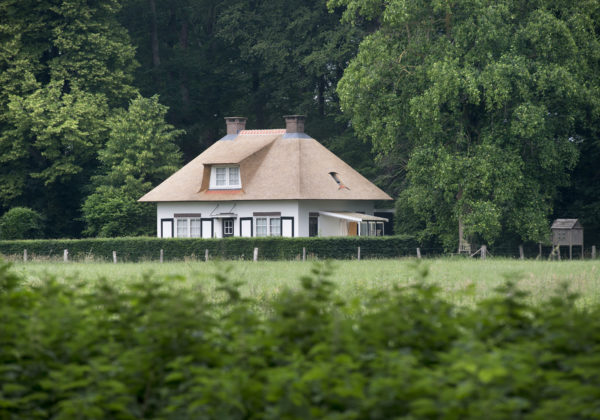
(273, 166)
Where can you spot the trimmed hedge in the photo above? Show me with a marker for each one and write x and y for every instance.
(270, 248)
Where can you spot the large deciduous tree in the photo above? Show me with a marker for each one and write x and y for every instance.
(139, 154)
(64, 64)
(489, 100)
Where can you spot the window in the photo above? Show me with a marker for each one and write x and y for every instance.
(182, 228)
(195, 228)
(188, 227)
(261, 226)
(221, 176)
(225, 177)
(371, 228)
(227, 227)
(275, 226)
(268, 226)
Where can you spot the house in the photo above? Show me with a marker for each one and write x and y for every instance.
(266, 183)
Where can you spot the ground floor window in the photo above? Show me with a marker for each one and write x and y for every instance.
(227, 227)
(268, 226)
(188, 227)
(371, 228)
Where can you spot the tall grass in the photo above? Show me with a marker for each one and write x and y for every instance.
(462, 281)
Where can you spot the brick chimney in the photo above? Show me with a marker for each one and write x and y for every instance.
(235, 125)
(294, 123)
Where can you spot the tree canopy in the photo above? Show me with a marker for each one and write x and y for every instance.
(490, 100)
(473, 113)
(139, 154)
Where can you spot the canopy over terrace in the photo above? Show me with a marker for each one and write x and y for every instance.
(351, 224)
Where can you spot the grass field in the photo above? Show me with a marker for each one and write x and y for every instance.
(461, 281)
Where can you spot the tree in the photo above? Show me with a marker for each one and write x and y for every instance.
(492, 99)
(64, 65)
(262, 59)
(21, 223)
(139, 154)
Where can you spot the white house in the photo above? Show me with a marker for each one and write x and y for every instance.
(266, 182)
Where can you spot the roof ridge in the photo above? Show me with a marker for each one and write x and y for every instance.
(268, 131)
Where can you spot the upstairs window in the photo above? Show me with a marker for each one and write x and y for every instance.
(225, 177)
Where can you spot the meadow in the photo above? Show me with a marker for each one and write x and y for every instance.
(460, 281)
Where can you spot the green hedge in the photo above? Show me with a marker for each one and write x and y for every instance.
(143, 349)
(271, 248)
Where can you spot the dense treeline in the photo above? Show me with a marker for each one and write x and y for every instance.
(478, 115)
(153, 349)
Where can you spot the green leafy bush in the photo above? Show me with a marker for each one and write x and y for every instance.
(154, 350)
(21, 223)
(272, 248)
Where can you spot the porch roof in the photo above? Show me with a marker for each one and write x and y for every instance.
(353, 217)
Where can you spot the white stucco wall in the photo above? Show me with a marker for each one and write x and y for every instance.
(288, 208)
(299, 210)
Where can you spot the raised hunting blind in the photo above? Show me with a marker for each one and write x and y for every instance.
(567, 232)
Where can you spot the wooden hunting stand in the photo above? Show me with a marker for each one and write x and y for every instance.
(567, 232)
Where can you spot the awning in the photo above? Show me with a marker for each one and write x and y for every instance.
(353, 217)
(224, 216)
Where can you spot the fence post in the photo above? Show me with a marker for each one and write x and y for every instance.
(483, 251)
(419, 253)
(521, 253)
(358, 253)
(303, 253)
(24, 255)
(255, 258)
(114, 257)
(558, 248)
(540, 251)
(206, 254)
(593, 251)
(66, 255)
(161, 256)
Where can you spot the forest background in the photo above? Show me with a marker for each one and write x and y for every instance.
(476, 115)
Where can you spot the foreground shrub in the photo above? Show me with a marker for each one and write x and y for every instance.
(21, 223)
(158, 349)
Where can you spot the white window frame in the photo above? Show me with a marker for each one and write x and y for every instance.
(188, 221)
(268, 220)
(257, 226)
(229, 183)
(179, 221)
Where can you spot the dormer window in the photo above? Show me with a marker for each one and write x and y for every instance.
(225, 177)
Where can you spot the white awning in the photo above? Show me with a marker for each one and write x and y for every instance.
(224, 215)
(353, 217)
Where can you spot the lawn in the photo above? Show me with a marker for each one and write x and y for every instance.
(461, 281)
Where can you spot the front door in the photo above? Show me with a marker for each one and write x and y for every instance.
(227, 228)
(313, 225)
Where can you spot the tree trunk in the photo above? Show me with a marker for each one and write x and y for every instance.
(258, 100)
(154, 35)
(322, 96)
(460, 235)
(185, 92)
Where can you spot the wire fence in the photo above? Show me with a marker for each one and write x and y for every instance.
(529, 252)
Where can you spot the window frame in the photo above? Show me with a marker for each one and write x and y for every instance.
(188, 226)
(268, 231)
(229, 185)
